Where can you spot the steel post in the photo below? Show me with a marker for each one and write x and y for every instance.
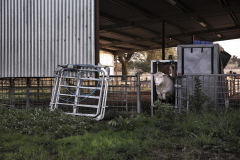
(138, 94)
(28, 95)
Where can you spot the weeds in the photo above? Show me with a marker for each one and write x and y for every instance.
(36, 133)
(199, 101)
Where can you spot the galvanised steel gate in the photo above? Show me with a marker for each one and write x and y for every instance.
(123, 92)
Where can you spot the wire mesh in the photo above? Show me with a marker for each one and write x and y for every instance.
(122, 93)
(22, 92)
(222, 89)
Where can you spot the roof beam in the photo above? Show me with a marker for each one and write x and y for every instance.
(185, 9)
(137, 50)
(233, 17)
(187, 15)
(108, 39)
(121, 34)
(107, 50)
(121, 48)
(118, 20)
(135, 8)
(174, 36)
(144, 12)
(114, 40)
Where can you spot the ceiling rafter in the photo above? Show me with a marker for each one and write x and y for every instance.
(108, 39)
(118, 20)
(120, 48)
(176, 35)
(158, 20)
(137, 50)
(142, 11)
(118, 33)
(233, 17)
(134, 7)
(114, 40)
(107, 50)
(178, 4)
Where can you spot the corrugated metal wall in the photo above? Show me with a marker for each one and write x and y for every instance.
(37, 35)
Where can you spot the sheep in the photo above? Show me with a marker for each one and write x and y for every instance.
(164, 86)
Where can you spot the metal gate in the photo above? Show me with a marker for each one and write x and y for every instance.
(81, 90)
(123, 92)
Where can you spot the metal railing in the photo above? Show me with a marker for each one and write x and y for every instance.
(223, 90)
(123, 92)
(25, 92)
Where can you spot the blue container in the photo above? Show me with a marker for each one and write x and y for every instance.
(196, 42)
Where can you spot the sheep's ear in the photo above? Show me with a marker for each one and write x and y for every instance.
(164, 74)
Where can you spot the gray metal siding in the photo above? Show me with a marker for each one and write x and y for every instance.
(37, 35)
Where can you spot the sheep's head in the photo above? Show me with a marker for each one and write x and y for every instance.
(158, 78)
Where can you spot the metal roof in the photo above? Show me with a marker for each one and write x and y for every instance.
(137, 25)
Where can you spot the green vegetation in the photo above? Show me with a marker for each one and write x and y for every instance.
(36, 133)
(199, 101)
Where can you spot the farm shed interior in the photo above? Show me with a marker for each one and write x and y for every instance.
(133, 25)
(36, 36)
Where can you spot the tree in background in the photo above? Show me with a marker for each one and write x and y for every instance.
(234, 59)
(142, 60)
(157, 54)
(124, 59)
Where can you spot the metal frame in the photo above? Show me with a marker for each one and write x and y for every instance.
(155, 70)
(223, 89)
(121, 94)
(83, 73)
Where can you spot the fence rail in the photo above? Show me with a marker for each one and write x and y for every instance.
(222, 89)
(123, 92)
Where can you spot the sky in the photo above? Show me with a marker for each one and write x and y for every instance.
(231, 46)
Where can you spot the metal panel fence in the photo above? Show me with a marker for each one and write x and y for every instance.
(37, 35)
(123, 92)
(222, 90)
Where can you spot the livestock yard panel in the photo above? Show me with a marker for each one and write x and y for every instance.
(123, 92)
(221, 90)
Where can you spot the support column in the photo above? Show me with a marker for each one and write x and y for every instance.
(116, 64)
(138, 94)
(97, 59)
(11, 97)
(38, 89)
(163, 41)
(193, 38)
(97, 50)
(28, 95)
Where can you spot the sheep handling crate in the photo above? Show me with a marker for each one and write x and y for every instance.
(168, 67)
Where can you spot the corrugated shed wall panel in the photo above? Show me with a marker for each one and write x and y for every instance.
(36, 36)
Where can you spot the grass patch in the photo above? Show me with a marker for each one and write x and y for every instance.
(36, 133)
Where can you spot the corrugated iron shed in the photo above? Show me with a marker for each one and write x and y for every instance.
(36, 36)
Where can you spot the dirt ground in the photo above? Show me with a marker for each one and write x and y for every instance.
(146, 101)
